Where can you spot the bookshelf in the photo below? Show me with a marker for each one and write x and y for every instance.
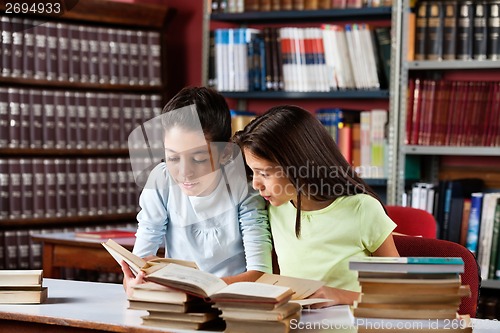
(436, 69)
(72, 87)
(385, 16)
(471, 160)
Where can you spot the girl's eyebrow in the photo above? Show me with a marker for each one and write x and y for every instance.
(200, 151)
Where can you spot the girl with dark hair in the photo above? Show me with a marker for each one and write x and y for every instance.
(298, 168)
(198, 202)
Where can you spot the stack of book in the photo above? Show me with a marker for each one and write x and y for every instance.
(179, 295)
(262, 298)
(246, 310)
(22, 287)
(422, 291)
(171, 308)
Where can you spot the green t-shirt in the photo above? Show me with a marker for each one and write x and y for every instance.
(352, 226)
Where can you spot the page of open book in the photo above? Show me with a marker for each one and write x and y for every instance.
(188, 279)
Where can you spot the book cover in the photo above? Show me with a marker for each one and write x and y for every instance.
(238, 325)
(465, 222)
(398, 313)
(464, 30)
(188, 317)
(480, 30)
(457, 190)
(23, 295)
(16, 277)
(402, 265)
(494, 241)
(434, 37)
(474, 220)
(190, 306)
(493, 23)
(421, 30)
(153, 292)
(277, 314)
(409, 260)
(449, 29)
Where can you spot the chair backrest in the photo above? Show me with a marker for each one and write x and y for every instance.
(412, 221)
(409, 246)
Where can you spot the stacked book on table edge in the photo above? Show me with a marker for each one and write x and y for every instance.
(179, 295)
(412, 294)
(22, 287)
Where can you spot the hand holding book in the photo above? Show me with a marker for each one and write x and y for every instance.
(185, 276)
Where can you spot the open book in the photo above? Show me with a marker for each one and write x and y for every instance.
(207, 285)
(136, 263)
(302, 288)
(185, 276)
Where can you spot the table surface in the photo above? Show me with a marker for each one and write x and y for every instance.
(104, 306)
(68, 238)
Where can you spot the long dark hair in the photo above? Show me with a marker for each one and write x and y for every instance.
(294, 139)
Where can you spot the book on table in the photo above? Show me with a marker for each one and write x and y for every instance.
(279, 313)
(194, 317)
(23, 295)
(209, 286)
(184, 276)
(22, 287)
(153, 292)
(408, 264)
(190, 306)
(243, 326)
(105, 234)
(183, 325)
(30, 277)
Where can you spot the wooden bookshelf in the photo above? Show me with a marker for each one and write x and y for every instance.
(85, 180)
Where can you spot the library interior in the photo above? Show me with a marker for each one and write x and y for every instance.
(409, 91)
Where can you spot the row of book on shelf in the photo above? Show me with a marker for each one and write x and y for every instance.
(453, 113)
(239, 6)
(360, 135)
(50, 188)
(32, 118)
(449, 30)
(19, 251)
(465, 214)
(39, 50)
(329, 58)
(178, 295)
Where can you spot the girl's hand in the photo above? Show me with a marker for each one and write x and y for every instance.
(129, 280)
(337, 296)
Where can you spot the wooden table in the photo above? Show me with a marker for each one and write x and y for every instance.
(91, 307)
(65, 250)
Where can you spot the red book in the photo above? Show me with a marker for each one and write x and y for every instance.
(105, 234)
(409, 110)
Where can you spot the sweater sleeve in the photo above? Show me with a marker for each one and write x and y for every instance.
(256, 234)
(153, 216)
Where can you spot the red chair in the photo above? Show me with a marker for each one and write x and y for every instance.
(412, 221)
(409, 246)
